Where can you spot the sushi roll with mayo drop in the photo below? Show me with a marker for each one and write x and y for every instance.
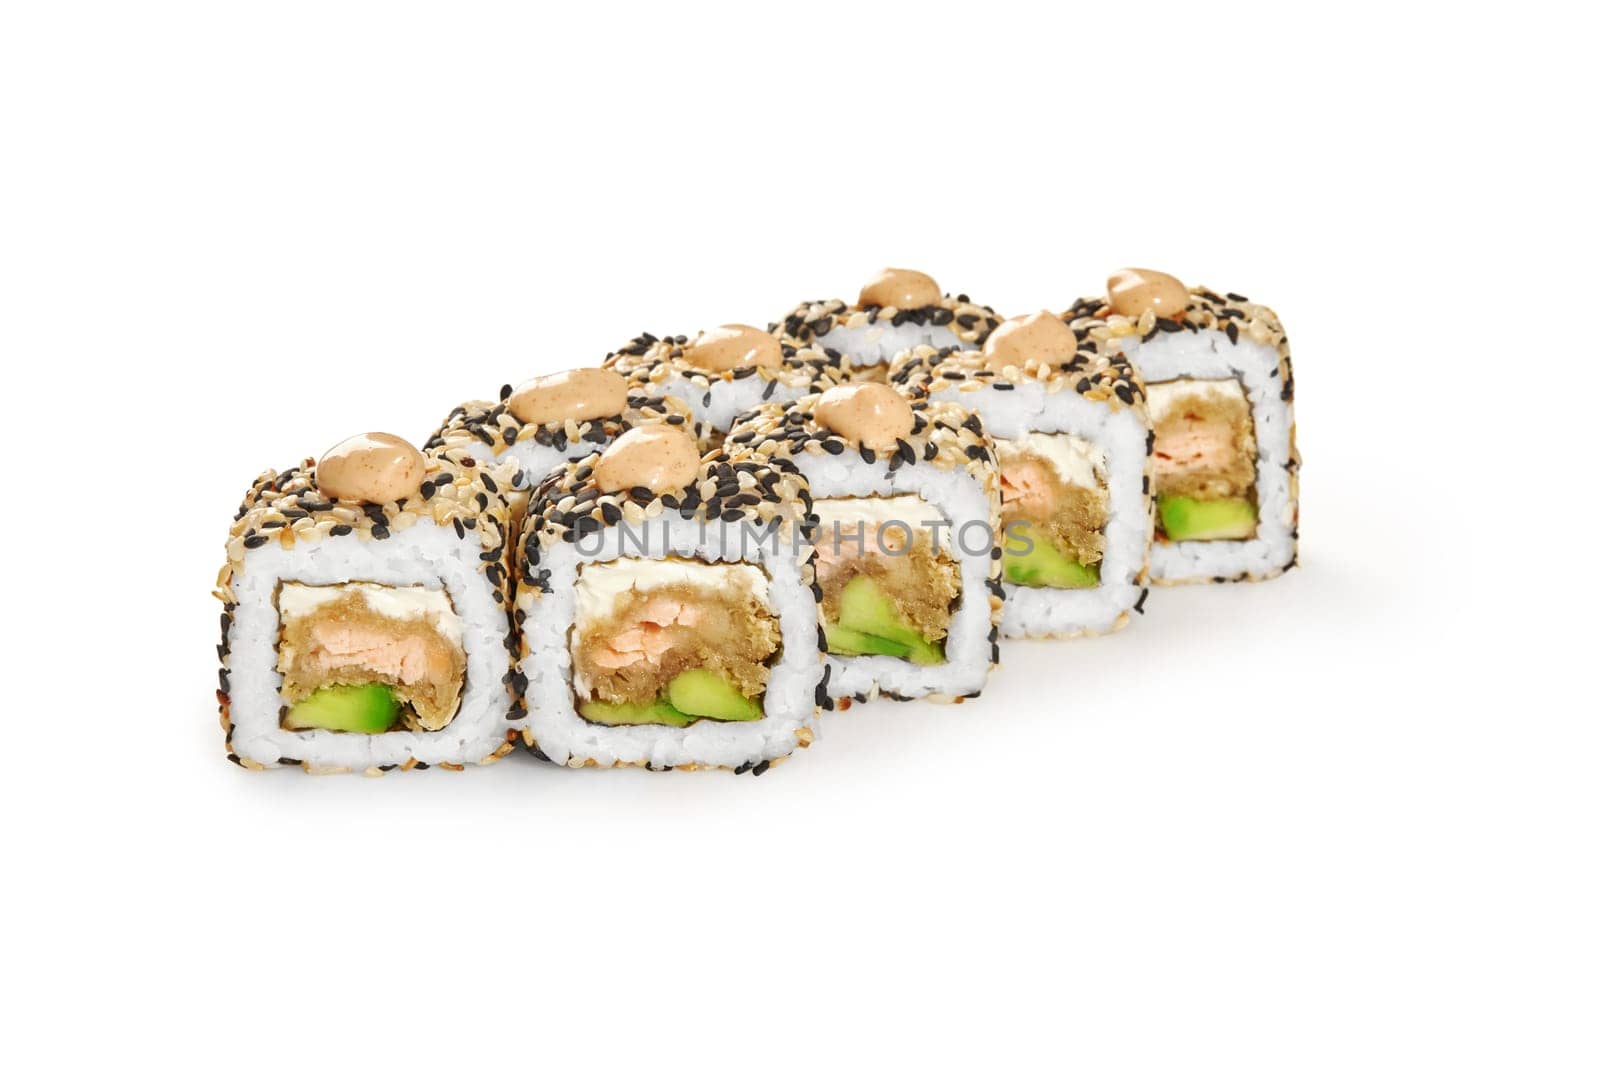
(719, 373)
(906, 498)
(1073, 442)
(365, 618)
(1220, 389)
(551, 420)
(667, 609)
(896, 310)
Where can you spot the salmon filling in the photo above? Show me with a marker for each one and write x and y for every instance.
(889, 583)
(671, 641)
(1054, 507)
(397, 651)
(1205, 460)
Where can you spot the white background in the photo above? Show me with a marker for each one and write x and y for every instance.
(1349, 816)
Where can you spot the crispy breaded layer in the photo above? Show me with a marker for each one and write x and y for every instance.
(344, 642)
(1206, 448)
(924, 584)
(1072, 516)
(650, 638)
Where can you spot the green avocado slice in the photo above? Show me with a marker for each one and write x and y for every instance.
(843, 641)
(707, 695)
(1187, 519)
(1045, 565)
(655, 713)
(354, 709)
(867, 609)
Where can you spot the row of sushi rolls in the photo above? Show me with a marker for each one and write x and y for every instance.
(682, 557)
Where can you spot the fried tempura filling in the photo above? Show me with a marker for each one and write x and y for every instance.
(1205, 440)
(922, 580)
(1033, 492)
(345, 641)
(648, 638)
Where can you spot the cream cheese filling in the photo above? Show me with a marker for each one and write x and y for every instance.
(405, 603)
(846, 516)
(1162, 396)
(1075, 460)
(600, 584)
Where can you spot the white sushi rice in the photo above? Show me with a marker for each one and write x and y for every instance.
(1121, 435)
(790, 700)
(880, 342)
(422, 555)
(1208, 354)
(959, 498)
(410, 603)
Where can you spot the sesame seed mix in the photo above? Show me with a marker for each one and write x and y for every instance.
(1229, 314)
(944, 435)
(812, 320)
(286, 509)
(479, 424)
(647, 361)
(1098, 372)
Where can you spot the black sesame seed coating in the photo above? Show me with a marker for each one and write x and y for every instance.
(652, 364)
(944, 435)
(488, 430)
(1108, 378)
(812, 320)
(1230, 314)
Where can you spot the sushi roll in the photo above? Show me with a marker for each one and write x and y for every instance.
(365, 625)
(722, 372)
(551, 420)
(1067, 415)
(667, 609)
(1220, 390)
(906, 496)
(895, 311)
